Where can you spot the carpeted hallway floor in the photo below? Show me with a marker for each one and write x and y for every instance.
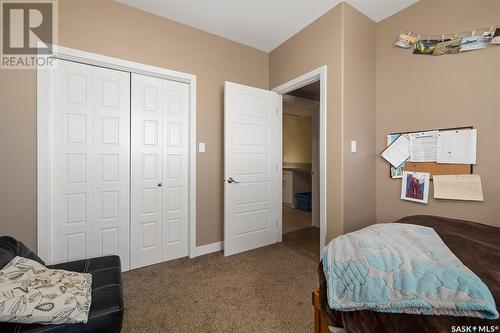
(264, 290)
(295, 219)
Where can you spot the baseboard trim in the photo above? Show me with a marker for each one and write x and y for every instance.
(209, 248)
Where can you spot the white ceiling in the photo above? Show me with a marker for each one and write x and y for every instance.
(263, 24)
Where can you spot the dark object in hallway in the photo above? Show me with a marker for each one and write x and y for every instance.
(304, 201)
(106, 310)
(476, 245)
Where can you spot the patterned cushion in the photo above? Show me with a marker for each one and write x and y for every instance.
(32, 293)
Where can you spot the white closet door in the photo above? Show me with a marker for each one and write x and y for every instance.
(89, 164)
(146, 144)
(176, 171)
(159, 134)
(111, 164)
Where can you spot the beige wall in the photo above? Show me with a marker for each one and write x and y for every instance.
(336, 40)
(109, 28)
(359, 119)
(424, 92)
(18, 155)
(297, 138)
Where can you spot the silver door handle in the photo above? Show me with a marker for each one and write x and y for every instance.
(231, 180)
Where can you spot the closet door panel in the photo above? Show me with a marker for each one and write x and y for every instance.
(111, 163)
(71, 162)
(175, 173)
(89, 162)
(147, 163)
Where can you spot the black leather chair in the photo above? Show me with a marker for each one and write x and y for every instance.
(106, 310)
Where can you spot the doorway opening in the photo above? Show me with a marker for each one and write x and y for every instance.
(302, 154)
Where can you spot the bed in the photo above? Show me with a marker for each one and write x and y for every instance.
(476, 245)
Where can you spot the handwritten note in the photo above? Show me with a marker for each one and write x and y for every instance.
(457, 146)
(458, 187)
(398, 152)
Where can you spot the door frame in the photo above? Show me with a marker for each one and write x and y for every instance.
(43, 134)
(318, 74)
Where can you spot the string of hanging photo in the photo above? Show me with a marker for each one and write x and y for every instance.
(448, 43)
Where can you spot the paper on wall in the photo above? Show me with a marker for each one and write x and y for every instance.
(458, 187)
(398, 152)
(457, 146)
(423, 146)
(395, 172)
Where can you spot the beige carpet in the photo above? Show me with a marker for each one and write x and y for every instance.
(295, 219)
(264, 290)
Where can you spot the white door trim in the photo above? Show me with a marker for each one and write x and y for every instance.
(43, 130)
(301, 81)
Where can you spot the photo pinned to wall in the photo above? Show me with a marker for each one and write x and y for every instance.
(396, 173)
(406, 40)
(448, 47)
(471, 43)
(489, 34)
(496, 37)
(425, 46)
(415, 186)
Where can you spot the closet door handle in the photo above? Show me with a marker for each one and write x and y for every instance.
(160, 184)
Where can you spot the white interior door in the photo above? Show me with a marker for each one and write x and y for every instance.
(89, 163)
(250, 168)
(159, 191)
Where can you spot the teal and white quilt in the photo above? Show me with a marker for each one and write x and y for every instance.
(402, 268)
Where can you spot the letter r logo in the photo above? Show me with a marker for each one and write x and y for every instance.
(25, 24)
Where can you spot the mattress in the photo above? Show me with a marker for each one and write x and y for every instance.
(476, 245)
